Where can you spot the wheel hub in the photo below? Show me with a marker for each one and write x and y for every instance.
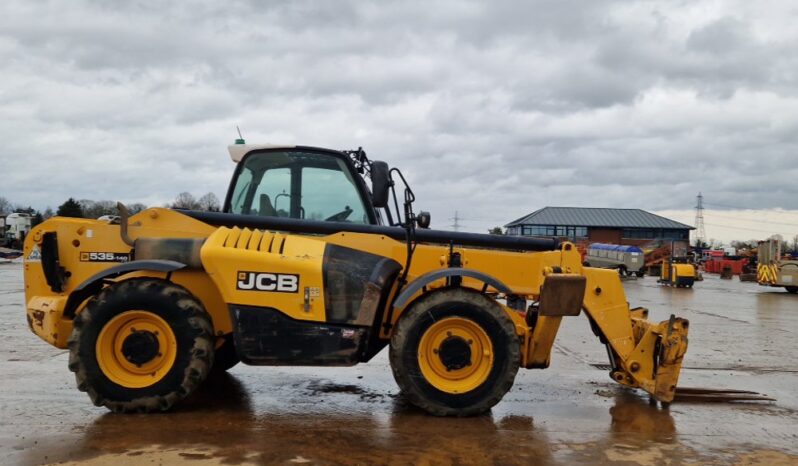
(136, 349)
(455, 353)
(140, 347)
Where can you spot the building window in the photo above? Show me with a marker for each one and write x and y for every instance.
(639, 233)
(537, 230)
(561, 231)
(675, 234)
(652, 233)
(577, 232)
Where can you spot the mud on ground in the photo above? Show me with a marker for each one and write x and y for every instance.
(741, 336)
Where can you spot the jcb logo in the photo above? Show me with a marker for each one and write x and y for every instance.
(264, 281)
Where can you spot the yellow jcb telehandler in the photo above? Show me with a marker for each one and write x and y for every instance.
(315, 261)
(677, 271)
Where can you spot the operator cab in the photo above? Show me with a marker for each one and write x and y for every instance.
(300, 183)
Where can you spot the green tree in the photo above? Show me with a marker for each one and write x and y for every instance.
(496, 231)
(70, 208)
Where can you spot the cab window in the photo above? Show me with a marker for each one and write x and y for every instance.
(302, 185)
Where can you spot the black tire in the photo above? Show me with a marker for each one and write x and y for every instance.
(184, 315)
(225, 357)
(792, 289)
(640, 274)
(466, 304)
(622, 271)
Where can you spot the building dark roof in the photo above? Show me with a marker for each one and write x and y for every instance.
(597, 217)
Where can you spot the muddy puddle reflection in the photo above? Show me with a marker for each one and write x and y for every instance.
(222, 424)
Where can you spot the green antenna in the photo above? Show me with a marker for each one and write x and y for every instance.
(240, 139)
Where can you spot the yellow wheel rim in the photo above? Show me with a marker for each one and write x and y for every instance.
(455, 355)
(136, 349)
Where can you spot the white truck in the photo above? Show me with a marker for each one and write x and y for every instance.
(16, 227)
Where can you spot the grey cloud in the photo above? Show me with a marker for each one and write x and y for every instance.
(722, 37)
(491, 108)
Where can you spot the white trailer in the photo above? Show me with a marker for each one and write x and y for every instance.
(627, 259)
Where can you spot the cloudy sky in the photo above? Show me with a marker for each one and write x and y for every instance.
(492, 109)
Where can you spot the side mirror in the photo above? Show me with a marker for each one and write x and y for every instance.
(380, 183)
(423, 219)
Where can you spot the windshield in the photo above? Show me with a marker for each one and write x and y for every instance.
(297, 185)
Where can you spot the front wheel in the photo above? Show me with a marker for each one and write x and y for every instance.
(141, 345)
(455, 353)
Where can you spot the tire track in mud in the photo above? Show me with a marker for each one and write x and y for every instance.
(721, 316)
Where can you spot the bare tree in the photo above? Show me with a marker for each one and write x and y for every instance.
(5, 206)
(185, 200)
(96, 209)
(209, 202)
(136, 207)
(739, 244)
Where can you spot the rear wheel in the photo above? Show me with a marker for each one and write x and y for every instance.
(792, 289)
(455, 353)
(141, 345)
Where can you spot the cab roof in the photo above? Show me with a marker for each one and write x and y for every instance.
(238, 151)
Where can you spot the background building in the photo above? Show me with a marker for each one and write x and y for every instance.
(598, 225)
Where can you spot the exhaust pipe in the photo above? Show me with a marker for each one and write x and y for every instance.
(124, 215)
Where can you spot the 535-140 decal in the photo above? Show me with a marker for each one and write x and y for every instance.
(104, 256)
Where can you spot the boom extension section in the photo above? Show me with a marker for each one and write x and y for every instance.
(642, 354)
